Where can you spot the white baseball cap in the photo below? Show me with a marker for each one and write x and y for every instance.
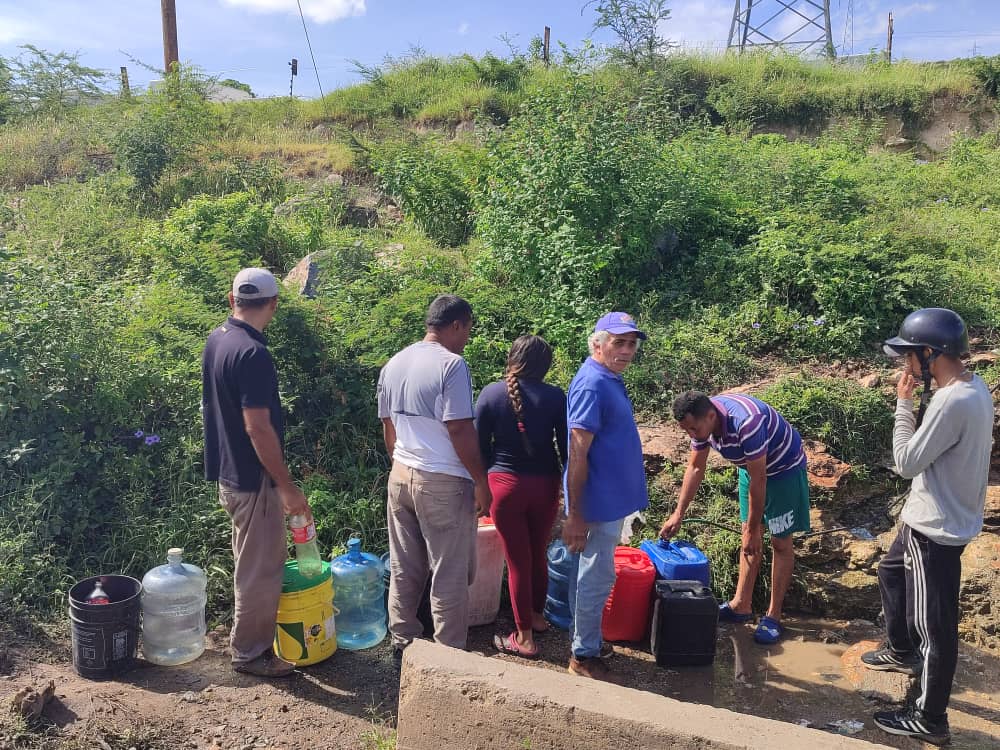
(255, 283)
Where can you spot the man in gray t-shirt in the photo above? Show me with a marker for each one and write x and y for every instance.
(945, 450)
(437, 486)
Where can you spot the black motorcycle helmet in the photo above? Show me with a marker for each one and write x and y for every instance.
(937, 328)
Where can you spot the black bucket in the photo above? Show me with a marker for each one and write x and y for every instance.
(105, 636)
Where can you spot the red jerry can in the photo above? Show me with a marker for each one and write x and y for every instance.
(629, 607)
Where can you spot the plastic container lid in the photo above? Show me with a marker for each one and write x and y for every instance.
(294, 581)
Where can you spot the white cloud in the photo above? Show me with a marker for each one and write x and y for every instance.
(913, 9)
(463, 28)
(698, 24)
(15, 30)
(320, 11)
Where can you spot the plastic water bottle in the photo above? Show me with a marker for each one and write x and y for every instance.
(173, 611)
(98, 596)
(306, 551)
(358, 596)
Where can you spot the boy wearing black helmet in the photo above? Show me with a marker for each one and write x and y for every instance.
(945, 450)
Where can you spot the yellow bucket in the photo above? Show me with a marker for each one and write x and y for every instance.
(306, 632)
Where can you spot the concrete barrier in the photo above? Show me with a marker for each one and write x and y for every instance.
(454, 700)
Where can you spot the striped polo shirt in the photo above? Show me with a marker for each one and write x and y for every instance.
(751, 429)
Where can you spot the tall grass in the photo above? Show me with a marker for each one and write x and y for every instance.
(45, 150)
(429, 90)
(779, 88)
(734, 88)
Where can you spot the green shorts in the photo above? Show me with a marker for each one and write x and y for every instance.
(786, 508)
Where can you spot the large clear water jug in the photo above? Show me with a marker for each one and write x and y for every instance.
(358, 597)
(173, 611)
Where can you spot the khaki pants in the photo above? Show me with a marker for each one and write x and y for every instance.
(432, 531)
(259, 552)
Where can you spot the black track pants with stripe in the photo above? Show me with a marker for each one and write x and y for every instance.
(920, 581)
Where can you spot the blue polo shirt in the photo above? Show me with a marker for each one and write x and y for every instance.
(237, 371)
(616, 478)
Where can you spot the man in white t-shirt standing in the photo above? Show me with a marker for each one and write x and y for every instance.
(438, 485)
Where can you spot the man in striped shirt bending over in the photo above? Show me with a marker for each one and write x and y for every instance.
(773, 490)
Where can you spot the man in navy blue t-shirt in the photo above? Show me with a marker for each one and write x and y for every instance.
(605, 480)
(244, 431)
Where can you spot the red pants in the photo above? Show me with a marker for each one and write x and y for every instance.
(524, 508)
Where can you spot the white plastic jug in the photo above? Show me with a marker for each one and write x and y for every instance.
(484, 593)
(173, 611)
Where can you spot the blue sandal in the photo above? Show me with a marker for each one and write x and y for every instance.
(769, 631)
(726, 614)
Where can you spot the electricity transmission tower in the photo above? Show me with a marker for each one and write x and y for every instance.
(790, 25)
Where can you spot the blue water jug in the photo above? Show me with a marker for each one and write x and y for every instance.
(358, 591)
(677, 560)
(562, 569)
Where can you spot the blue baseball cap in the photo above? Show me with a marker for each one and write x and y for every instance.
(618, 322)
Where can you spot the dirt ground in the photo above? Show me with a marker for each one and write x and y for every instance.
(350, 701)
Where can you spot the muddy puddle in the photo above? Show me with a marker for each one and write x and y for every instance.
(800, 680)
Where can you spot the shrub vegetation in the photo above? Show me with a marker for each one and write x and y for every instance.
(584, 186)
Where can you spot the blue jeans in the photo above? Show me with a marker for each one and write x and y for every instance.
(594, 578)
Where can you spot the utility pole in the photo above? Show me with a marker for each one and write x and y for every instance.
(888, 46)
(545, 46)
(169, 13)
(295, 71)
(830, 51)
(126, 91)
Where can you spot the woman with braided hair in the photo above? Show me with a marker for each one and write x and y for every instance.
(521, 422)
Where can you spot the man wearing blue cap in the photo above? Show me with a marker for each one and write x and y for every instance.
(605, 480)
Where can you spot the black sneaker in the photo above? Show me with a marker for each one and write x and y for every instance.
(884, 660)
(397, 658)
(912, 722)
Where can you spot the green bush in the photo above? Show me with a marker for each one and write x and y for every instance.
(431, 183)
(608, 190)
(167, 123)
(854, 421)
(202, 244)
(579, 203)
(987, 72)
(705, 353)
(221, 176)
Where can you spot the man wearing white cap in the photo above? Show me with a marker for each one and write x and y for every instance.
(244, 432)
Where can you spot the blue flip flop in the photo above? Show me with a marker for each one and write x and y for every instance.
(726, 614)
(768, 631)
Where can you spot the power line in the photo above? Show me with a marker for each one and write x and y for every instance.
(322, 96)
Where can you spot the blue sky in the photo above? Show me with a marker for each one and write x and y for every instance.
(252, 40)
